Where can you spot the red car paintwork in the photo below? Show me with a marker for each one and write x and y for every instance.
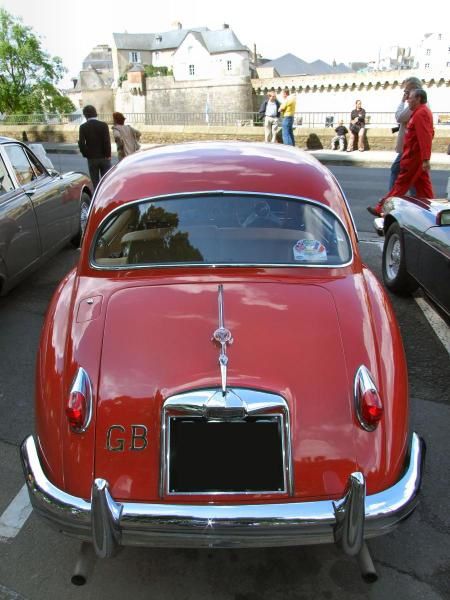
(146, 336)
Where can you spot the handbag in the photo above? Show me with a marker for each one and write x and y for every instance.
(355, 127)
(136, 135)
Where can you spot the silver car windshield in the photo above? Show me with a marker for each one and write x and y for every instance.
(222, 229)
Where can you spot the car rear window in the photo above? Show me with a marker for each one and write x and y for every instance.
(228, 229)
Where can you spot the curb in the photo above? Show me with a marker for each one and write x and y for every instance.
(369, 164)
(61, 150)
(441, 162)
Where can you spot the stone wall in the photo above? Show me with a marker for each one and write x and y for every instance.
(377, 139)
(102, 99)
(126, 102)
(335, 95)
(379, 91)
(165, 95)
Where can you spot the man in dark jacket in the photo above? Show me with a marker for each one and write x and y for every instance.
(95, 144)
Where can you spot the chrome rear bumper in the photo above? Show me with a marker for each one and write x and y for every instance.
(109, 524)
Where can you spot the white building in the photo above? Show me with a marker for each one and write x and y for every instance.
(433, 53)
(190, 54)
(211, 55)
(394, 58)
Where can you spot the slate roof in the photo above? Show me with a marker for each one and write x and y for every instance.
(289, 64)
(320, 67)
(133, 41)
(323, 68)
(99, 57)
(199, 37)
(223, 40)
(342, 68)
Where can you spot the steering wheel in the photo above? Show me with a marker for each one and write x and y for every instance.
(261, 216)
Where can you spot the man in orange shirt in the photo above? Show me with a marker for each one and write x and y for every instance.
(415, 161)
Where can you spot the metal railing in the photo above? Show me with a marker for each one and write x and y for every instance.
(216, 119)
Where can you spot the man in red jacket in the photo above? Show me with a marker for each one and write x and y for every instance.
(415, 161)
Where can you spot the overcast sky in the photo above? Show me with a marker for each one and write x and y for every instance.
(344, 30)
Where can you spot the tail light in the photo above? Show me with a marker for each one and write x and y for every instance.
(79, 406)
(368, 405)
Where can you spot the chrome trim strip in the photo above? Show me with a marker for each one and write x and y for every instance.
(223, 337)
(203, 265)
(82, 384)
(210, 525)
(217, 266)
(237, 402)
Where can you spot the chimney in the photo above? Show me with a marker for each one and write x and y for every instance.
(226, 26)
(74, 81)
(255, 56)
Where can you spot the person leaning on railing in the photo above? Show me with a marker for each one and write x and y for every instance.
(357, 127)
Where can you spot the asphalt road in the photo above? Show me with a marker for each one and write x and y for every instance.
(413, 562)
(363, 186)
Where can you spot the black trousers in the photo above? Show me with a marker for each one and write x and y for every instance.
(97, 168)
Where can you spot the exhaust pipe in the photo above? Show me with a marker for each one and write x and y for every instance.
(85, 564)
(368, 571)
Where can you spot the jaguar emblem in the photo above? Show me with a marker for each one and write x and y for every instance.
(223, 336)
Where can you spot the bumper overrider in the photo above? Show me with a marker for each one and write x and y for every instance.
(109, 524)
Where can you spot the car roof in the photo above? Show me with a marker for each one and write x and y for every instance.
(4, 139)
(218, 166)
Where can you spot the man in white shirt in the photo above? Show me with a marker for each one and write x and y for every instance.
(270, 110)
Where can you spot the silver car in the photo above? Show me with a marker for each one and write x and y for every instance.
(41, 210)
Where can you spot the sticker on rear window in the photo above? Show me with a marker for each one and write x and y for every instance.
(310, 250)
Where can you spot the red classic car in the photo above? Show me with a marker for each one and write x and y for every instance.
(221, 369)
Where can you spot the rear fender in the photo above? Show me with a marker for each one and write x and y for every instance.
(49, 394)
(87, 190)
(392, 382)
(388, 220)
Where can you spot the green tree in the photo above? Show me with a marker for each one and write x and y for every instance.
(152, 71)
(28, 74)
